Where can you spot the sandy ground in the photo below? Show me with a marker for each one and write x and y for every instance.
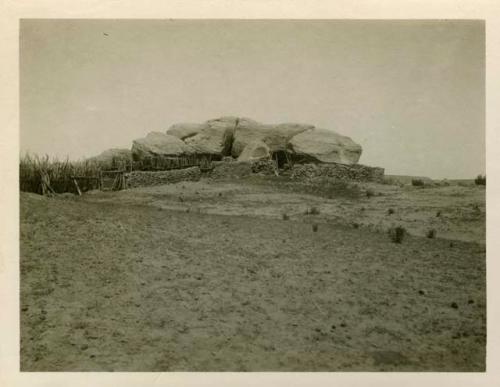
(208, 276)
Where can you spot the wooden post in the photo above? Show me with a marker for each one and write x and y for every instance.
(276, 166)
(77, 187)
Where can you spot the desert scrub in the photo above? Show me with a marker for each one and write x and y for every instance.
(390, 211)
(370, 192)
(397, 234)
(480, 180)
(330, 188)
(315, 227)
(312, 211)
(59, 172)
(431, 234)
(417, 182)
(285, 216)
(325, 187)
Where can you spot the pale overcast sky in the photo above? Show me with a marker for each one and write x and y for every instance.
(410, 92)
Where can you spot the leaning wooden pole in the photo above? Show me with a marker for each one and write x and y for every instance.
(77, 188)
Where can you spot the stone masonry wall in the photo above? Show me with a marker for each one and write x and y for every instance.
(354, 172)
(230, 169)
(238, 169)
(149, 178)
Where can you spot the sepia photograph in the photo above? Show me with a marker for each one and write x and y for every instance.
(200, 195)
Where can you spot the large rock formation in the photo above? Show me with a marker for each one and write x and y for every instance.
(249, 140)
(324, 146)
(159, 144)
(275, 137)
(185, 130)
(215, 137)
(256, 150)
(112, 157)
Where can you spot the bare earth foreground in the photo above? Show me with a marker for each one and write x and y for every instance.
(210, 276)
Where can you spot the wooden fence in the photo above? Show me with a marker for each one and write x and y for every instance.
(112, 179)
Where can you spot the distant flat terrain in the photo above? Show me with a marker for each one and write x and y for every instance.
(230, 276)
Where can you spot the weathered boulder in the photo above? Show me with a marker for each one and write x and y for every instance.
(275, 137)
(215, 137)
(185, 130)
(256, 150)
(250, 140)
(324, 146)
(159, 144)
(112, 157)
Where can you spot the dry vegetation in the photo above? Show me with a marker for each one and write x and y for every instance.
(59, 172)
(245, 276)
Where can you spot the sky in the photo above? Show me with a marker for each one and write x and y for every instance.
(411, 93)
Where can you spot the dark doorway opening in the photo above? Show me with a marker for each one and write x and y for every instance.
(281, 158)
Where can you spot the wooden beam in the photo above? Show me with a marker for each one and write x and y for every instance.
(77, 187)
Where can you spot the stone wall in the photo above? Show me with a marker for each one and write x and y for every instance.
(230, 169)
(264, 167)
(238, 169)
(149, 178)
(355, 172)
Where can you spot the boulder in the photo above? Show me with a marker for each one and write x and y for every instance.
(215, 137)
(256, 150)
(322, 145)
(185, 130)
(275, 137)
(112, 157)
(156, 143)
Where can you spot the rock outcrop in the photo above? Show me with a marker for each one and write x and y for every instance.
(113, 156)
(248, 140)
(275, 137)
(159, 144)
(256, 150)
(215, 137)
(326, 146)
(185, 130)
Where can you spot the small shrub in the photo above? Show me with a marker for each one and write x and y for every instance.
(417, 182)
(315, 227)
(370, 193)
(390, 211)
(328, 188)
(312, 211)
(355, 225)
(480, 180)
(397, 234)
(431, 234)
(285, 216)
(438, 214)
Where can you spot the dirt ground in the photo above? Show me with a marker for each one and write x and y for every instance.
(231, 276)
